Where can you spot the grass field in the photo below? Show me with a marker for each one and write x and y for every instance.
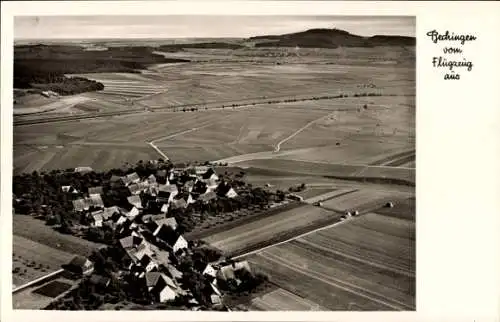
(367, 263)
(269, 230)
(31, 260)
(36, 230)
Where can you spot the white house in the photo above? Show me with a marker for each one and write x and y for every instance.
(181, 243)
(164, 208)
(231, 193)
(159, 286)
(210, 271)
(134, 212)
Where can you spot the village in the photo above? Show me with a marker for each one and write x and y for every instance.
(153, 253)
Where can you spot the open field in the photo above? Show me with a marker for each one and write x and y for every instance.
(367, 263)
(340, 171)
(32, 260)
(269, 230)
(224, 78)
(282, 300)
(36, 230)
(361, 200)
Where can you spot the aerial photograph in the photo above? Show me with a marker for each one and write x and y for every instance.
(214, 163)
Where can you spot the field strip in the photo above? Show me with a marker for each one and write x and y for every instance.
(335, 282)
(21, 287)
(396, 270)
(330, 195)
(278, 146)
(288, 240)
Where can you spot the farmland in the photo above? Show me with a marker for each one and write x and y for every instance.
(265, 231)
(32, 260)
(367, 263)
(35, 230)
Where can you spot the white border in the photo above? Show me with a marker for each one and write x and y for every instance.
(458, 175)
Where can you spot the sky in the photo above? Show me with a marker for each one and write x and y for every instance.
(192, 26)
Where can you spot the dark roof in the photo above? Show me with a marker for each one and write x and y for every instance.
(78, 261)
(208, 174)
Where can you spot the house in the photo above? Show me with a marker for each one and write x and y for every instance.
(180, 243)
(130, 178)
(226, 190)
(148, 263)
(135, 188)
(135, 201)
(188, 186)
(95, 201)
(95, 190)
(83, 169)
(109, 212)
(171, 189)
(134, 212)
(200, 170)
(211, 184)
(151, 179)
(80, 265)
(170, 222)
(210, 271)
(81, 204)
(227, 272)
(131, 242)
(174, 272)
(210, 175)
(164, 208)
(207, 197)
(160, 286)
(100, 280)
(97, 218)
(216, 300)
(199, 187)
(179, 204)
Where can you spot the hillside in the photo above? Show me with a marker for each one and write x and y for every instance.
(329, 38)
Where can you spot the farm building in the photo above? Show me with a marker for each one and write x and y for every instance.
(80, 265)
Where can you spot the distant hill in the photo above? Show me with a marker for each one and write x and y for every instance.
(330, 38)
